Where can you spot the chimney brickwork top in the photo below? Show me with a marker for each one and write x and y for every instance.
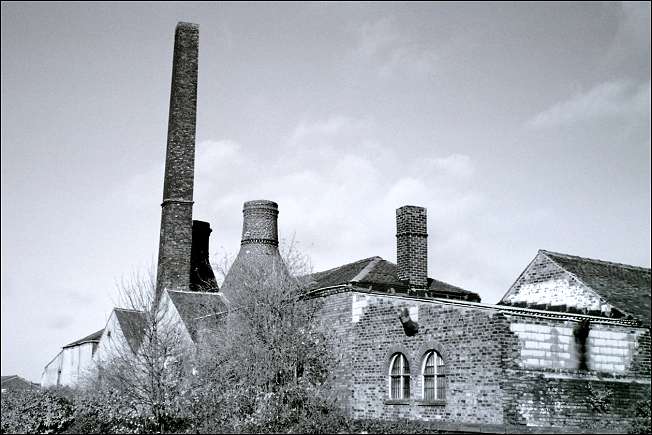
(412, 245)
(260, 224)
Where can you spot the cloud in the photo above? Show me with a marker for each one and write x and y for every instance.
(394, 52)
(60, 322)
(606, 100)
(338, 185)
(632, 37)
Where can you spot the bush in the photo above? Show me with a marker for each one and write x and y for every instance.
(642, 422)
(393, 427)
(108, 412)
(36, 411)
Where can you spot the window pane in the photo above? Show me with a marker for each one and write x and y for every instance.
(396, 365)
(395, 387)
(429, 368)
(399, 377)
(406, 366)
(441, 387)
(406, 387)
(429, 387)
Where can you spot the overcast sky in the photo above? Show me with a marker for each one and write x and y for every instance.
(519, 126)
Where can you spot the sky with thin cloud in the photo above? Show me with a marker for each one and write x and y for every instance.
(518, 126)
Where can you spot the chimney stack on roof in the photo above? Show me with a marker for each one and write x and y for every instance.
(412, 246)
(176, 214)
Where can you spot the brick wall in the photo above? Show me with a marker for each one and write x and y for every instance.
(544, 387)
(503, 371)
(463, 336)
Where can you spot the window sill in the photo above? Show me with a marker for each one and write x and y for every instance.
(415, 402)
(430, 402)
(397, 401)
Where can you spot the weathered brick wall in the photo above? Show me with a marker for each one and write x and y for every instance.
(544, 282)
(544, 387)
(334, 318)
(534, 401)
(550, 344)
(504, 371)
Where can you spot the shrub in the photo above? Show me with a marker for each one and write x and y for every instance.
(641, 422)
(36, 411)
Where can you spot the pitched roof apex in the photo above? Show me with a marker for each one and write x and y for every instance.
(197, 292)
(593, 260)
(128, 309)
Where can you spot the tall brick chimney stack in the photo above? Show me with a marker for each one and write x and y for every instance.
(412, 246)
(176, 215)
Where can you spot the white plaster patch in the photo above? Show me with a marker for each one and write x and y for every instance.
(561, 291)
(608, 343)
(414, 313)
(358, 304)
(607, 335)
(554, 347)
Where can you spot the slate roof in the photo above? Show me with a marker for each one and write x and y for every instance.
(16, 380)
(198, 310)
(381, 275)
(133, 324)
(624, 286)
(95, 336)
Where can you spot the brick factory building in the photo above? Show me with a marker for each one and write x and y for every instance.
(570, 334)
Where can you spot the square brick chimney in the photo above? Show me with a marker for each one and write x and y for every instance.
(412, 246)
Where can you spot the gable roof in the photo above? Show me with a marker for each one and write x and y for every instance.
(379, 274)
(6, 381)
(624, 286)
(94, 337)
(198, 310)
(133, 324)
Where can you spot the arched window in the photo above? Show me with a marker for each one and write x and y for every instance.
(399, 377)
(434, 377)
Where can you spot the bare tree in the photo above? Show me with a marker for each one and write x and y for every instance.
(146, 365)
(270, 362)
